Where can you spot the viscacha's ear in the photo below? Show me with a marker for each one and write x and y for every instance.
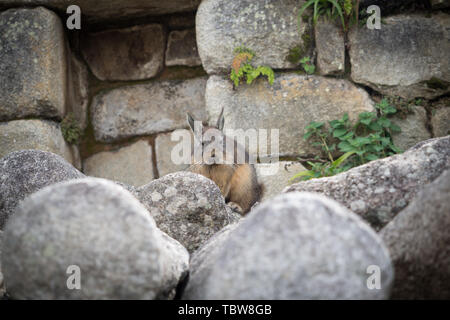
(220, 121)
(190, 121)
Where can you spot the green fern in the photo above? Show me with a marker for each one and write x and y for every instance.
(241, 68)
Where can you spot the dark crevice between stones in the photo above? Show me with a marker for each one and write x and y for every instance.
(184, 279)
(152, 145)
(390, 7)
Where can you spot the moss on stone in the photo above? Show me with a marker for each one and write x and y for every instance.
(70, 129)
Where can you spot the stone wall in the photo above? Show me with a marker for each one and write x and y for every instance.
(128, 77)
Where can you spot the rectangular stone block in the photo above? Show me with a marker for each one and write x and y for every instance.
(32, 64)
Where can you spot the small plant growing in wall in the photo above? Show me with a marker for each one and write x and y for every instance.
(70, 129)
(242, 70)
(307, 65)
(345, 10)
(366, 140)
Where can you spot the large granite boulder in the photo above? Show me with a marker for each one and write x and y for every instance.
(418, 240)
(88, 239)
(187, 206)
(378, 190)
(25, 172)
(296, 246)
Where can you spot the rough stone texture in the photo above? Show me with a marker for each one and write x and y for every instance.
(378, 190)
(182, 49)
(269, 28)
(2, 284)
(330, 46)
(32, 64)
(176, 264)
(418, 241)
(131, 164)
(275, 183)
(187, 206)
(409, 56)
(290, 104)
(105, 10)
(147, 109)
(296, 246)
(33, 134)
(125, 54)
(25, 172)
(440, 4)
(163, 148)
(440, 118)
(78, 93)
(414, 129)
(98, 226)
(203, 259)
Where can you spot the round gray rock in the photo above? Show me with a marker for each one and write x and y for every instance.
(419, 242)
(27, 171)
(97, 226)
(187, 206)
(296, 246)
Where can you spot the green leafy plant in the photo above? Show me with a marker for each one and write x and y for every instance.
(241, 69)
(366, 140)
(307, 65)
(345, 10)
(70, 129)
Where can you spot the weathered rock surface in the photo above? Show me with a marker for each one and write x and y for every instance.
(131, 164)
(418, 241)
(104, 10)
(330, 46)
(414, 129)
(78, 93)
(378, 190)
(25, 172)
(164, 146)
(289, 105)
(296, 246)
(32, 64)
(440, 118)
(2, 284)
(275, 183)
(125, 54)
(182, 49)
(269, 28)
(33, 134)
(187, 206)
(147, 109)
(98, 227)
(203, 259)
(409, 56)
